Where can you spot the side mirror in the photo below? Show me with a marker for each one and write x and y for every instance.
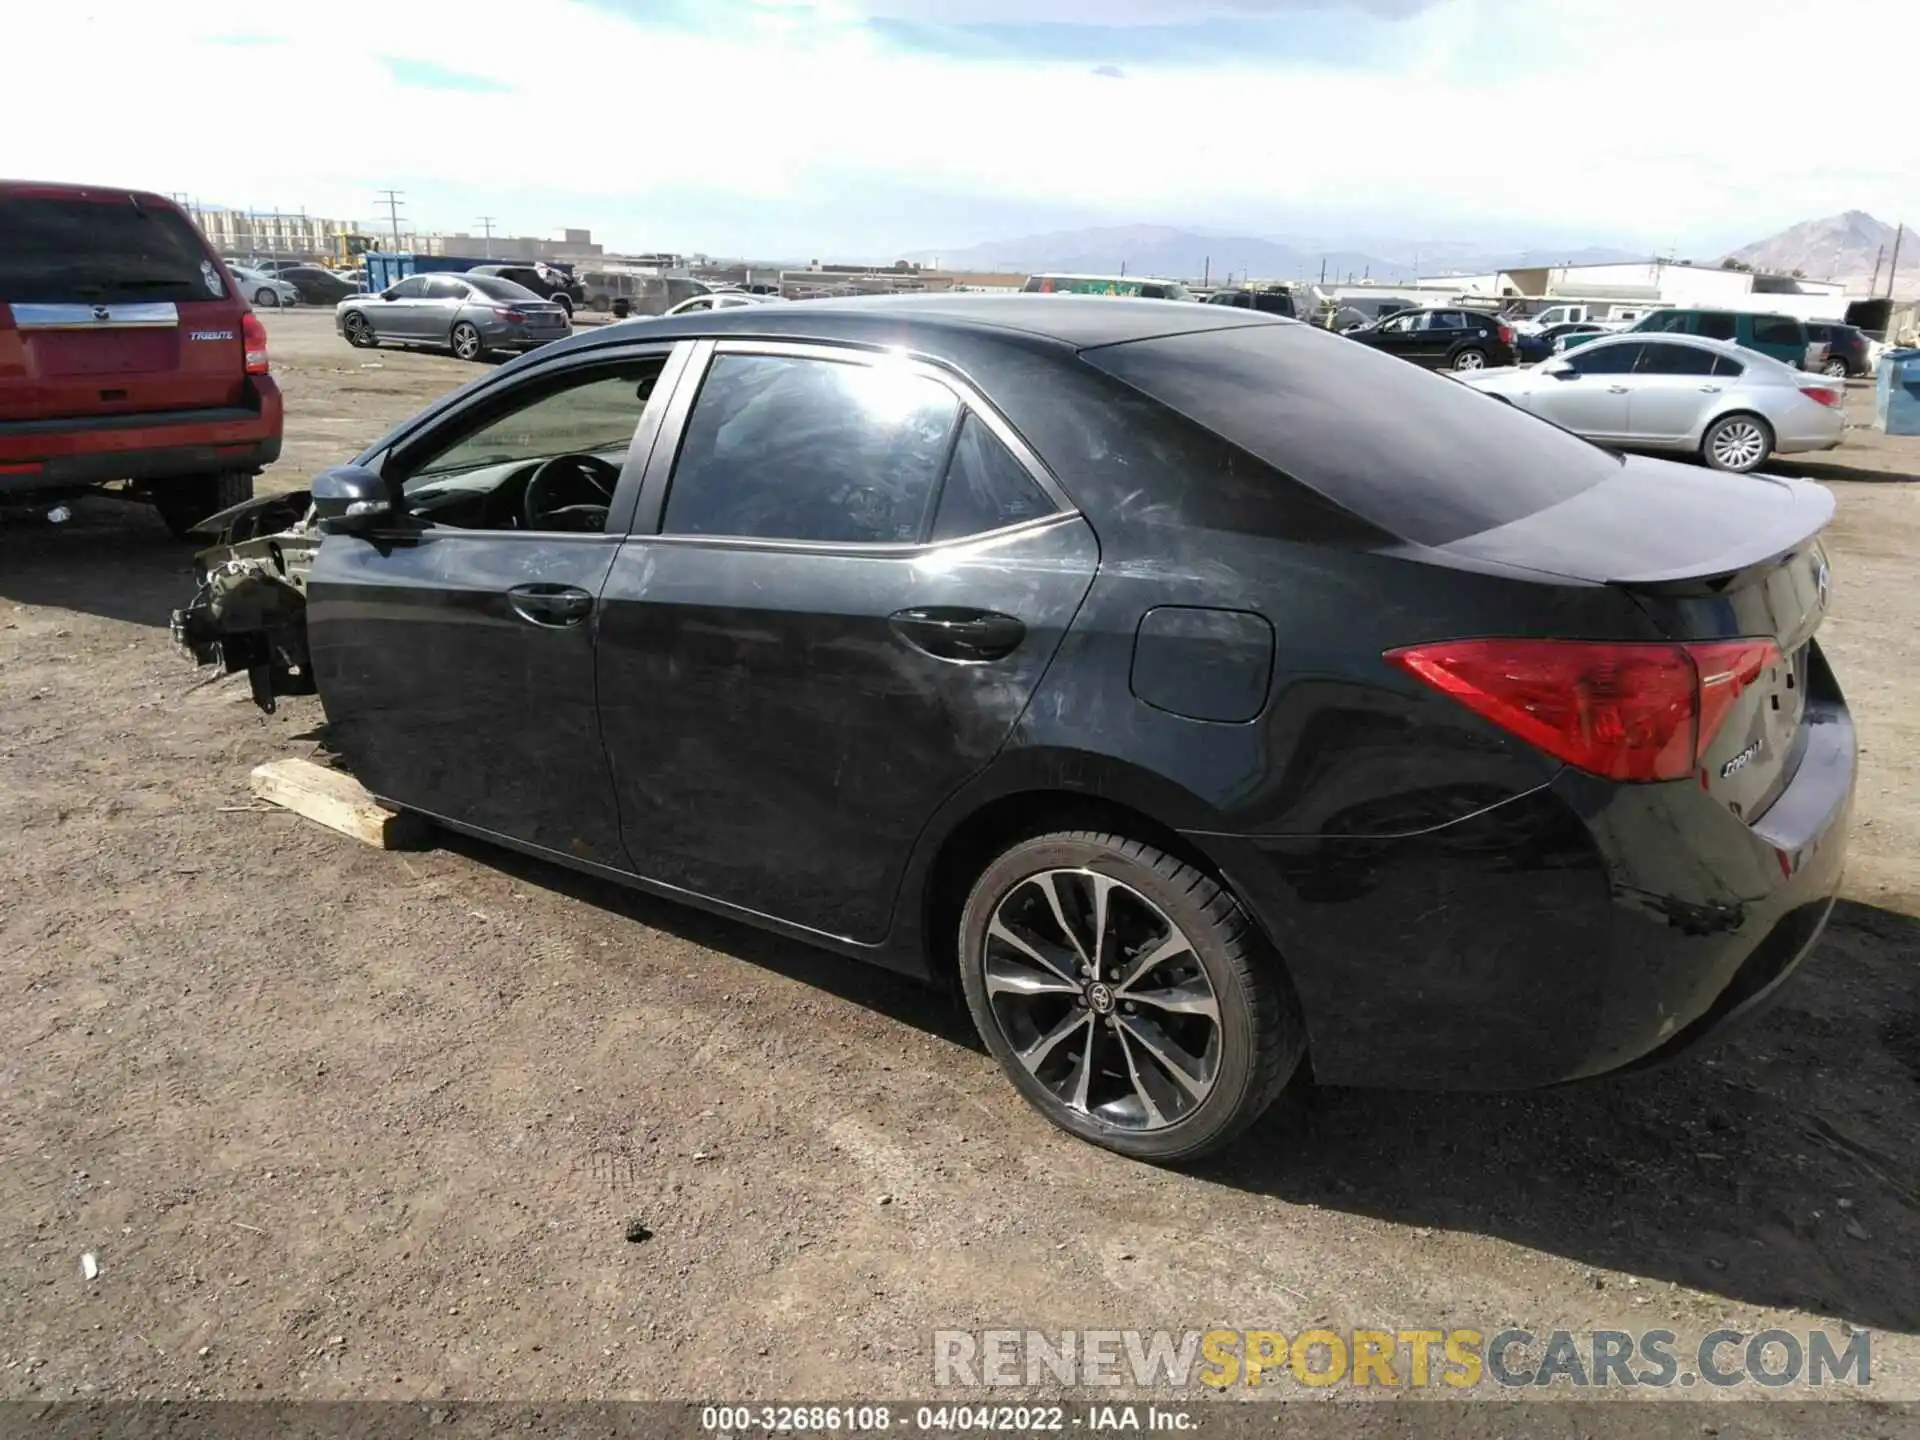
(1559, 369)
(388, 295)
(349, 499)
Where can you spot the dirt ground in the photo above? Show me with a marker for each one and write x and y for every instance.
(336, 1122)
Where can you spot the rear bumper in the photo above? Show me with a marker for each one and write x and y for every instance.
(1574, 930)
(1822, 429)
(50, 454)
(519, 337)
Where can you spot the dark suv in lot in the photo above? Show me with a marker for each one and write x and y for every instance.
(1443, 338)
(1847, 348)
(126, 354)
(543, 280)
(1267, 302)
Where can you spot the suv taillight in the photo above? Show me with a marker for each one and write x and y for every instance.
(254, 335)
(1625, 711)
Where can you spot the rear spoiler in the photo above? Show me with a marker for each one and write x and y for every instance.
(1762, 549)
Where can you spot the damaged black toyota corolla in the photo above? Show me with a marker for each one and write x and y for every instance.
(1203, 692)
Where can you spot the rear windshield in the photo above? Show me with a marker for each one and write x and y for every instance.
(1417, 454)
(100, 251)
(496, 288)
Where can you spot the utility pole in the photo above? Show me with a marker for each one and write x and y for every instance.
(486, 222)
(1873, 287)
(1323, 270)
(1893, 265)
(391, 199)
(1206, 272)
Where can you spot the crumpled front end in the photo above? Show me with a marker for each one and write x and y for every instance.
(249, 612)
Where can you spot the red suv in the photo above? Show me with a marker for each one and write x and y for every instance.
(126, 354)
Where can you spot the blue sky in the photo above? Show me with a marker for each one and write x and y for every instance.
(872, 127)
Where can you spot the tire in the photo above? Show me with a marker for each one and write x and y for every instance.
(600, 304)
(565, 302)
(466, 342)
(359, 330)
(1129, 1101)
(1737, 443)
(185, 502)
(266, 299)
(1471, 358)
(1835, 370)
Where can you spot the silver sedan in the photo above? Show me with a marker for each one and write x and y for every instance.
(471, 315)
(1731, 407)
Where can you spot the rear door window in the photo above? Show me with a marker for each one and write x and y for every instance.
(1667, 358)
(1715, 325)
(1449, 464)
(790, 448)
(101, 252)
(1728, 367)
(987, 488)
(1775, 330)
(442, 288)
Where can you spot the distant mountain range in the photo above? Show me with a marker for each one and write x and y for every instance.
(1845, 247)
(1192, 255)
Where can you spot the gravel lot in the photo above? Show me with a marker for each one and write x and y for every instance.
(338, 1122)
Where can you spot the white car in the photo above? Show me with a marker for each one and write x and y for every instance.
(1731, 407)
(262, 290)
(722, 300)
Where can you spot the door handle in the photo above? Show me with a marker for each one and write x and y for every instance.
(555, 606)
(953, 633)
(1617, 390)
(1709, 389)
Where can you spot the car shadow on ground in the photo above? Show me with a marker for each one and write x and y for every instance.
(1751, 1171)
(1827, 470)
(113, 559)
(935, 1010)
(1781, 1168)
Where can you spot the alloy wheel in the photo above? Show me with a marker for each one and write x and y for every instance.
(1470, 360)
(1837, 369)
(358, 331)
(466, 341)
(1738, 445)
(1102, 999)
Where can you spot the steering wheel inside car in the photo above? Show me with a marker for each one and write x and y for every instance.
(569, 492)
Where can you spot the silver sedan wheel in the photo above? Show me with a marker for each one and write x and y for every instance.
(1102, 999)
(466, 341)
(1737, 444)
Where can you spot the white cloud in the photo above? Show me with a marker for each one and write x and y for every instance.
(1107, 12)
(1645, 117)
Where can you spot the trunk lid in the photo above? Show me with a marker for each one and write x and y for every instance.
(1709, 558)
(111, 304)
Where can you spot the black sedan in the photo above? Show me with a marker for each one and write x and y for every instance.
(317, 284)
(1442, 339)
(1195, 691)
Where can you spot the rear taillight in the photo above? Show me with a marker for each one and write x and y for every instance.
(1822, 395)
(506, 314)
(1506, 335)
(1625, 711)
(254, 335)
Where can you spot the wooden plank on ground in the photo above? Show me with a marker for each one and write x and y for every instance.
(336, 800)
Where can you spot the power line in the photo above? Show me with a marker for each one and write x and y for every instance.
(391, 199)
(486, 224)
